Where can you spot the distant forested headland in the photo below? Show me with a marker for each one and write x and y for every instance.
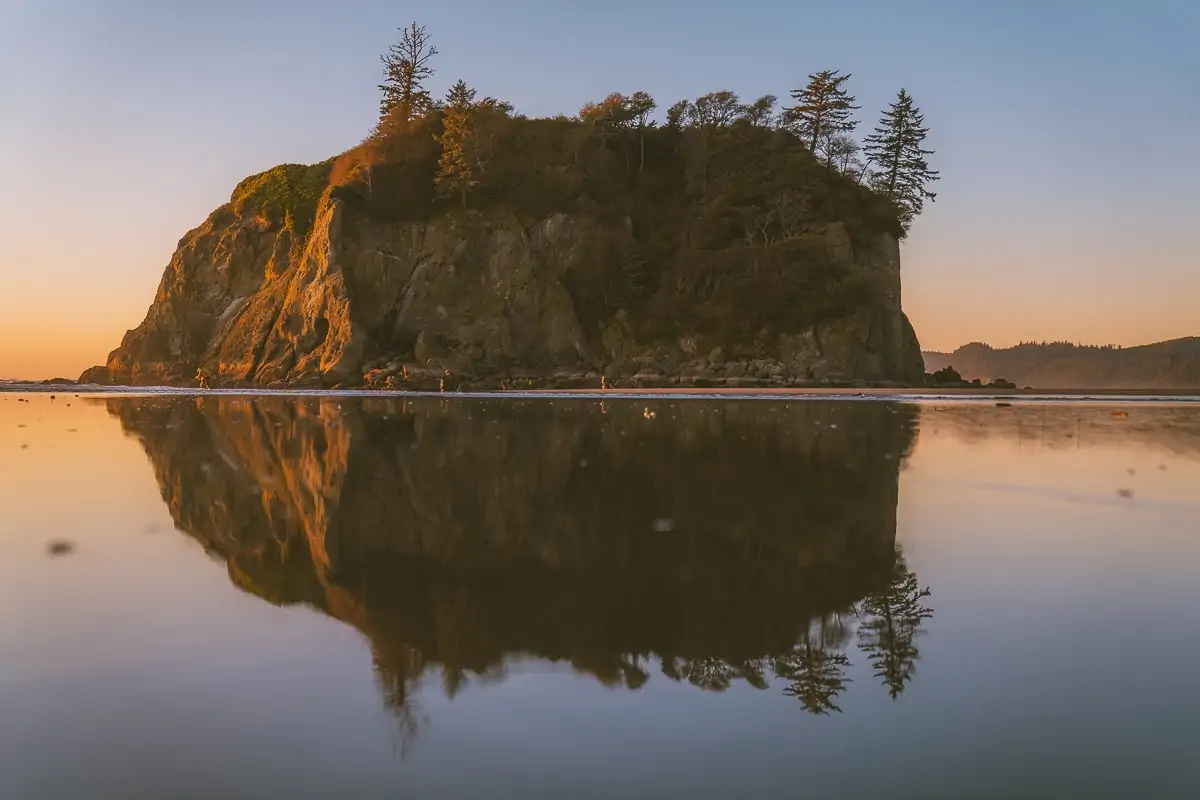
(1173, 364)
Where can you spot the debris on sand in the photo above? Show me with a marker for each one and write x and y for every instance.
(60, 547)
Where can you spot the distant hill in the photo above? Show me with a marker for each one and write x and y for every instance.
(1061, 365)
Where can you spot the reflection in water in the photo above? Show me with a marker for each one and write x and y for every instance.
(1071, 426)
(713, 543)
(888, 637)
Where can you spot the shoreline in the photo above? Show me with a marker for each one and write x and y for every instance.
(972, 394)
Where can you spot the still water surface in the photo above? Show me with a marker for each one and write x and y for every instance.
(344, 597)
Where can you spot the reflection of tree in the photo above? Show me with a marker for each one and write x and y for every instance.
(816, 676)
(892, 623)
(815, 668)
(398, 690)
(710, 674)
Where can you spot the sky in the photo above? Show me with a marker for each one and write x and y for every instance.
(1065, 132)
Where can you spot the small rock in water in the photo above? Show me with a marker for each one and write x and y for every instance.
(1003, 405)
(1126, 493)
(664, 525)
(1162, 467)
(1131, 471)
(60, 547)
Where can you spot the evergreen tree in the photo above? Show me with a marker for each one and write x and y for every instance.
(456, 167)
(460, 95)
(822, 108)
(894, 151)
(468, 126)
(405, 70)
(456, 172)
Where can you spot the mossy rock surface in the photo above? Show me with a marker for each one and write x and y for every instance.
(286, 192)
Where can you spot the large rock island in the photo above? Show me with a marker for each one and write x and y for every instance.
(565, 254)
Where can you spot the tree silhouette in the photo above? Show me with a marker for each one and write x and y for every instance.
(761, 113)
(823, 107)
(901, 168)
(893, 621)
(405, 70)
(466, 145)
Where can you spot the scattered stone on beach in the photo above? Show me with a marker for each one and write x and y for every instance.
(60, 547)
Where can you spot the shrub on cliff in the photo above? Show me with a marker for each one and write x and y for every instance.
(287, 191)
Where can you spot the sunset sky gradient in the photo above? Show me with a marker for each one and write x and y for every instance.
(1066, 133)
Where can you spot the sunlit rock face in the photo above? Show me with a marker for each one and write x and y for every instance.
(720, 542)
(508, 296)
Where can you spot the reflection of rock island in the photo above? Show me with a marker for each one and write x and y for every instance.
(718, 542)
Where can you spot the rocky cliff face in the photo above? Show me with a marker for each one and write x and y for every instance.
(471, 299)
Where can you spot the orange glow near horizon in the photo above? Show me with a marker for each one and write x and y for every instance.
(55, 333)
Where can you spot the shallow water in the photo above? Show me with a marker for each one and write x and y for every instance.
(286, 596)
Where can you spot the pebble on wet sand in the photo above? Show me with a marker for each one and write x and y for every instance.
(60, 547)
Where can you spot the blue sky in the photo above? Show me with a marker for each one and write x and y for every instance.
(1065, 132)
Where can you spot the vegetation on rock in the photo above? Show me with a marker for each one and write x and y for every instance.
(727, 201)
(289, 192)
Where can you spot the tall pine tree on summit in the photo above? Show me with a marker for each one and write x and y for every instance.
(405, 70)
(822, 108)
(900, 169)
